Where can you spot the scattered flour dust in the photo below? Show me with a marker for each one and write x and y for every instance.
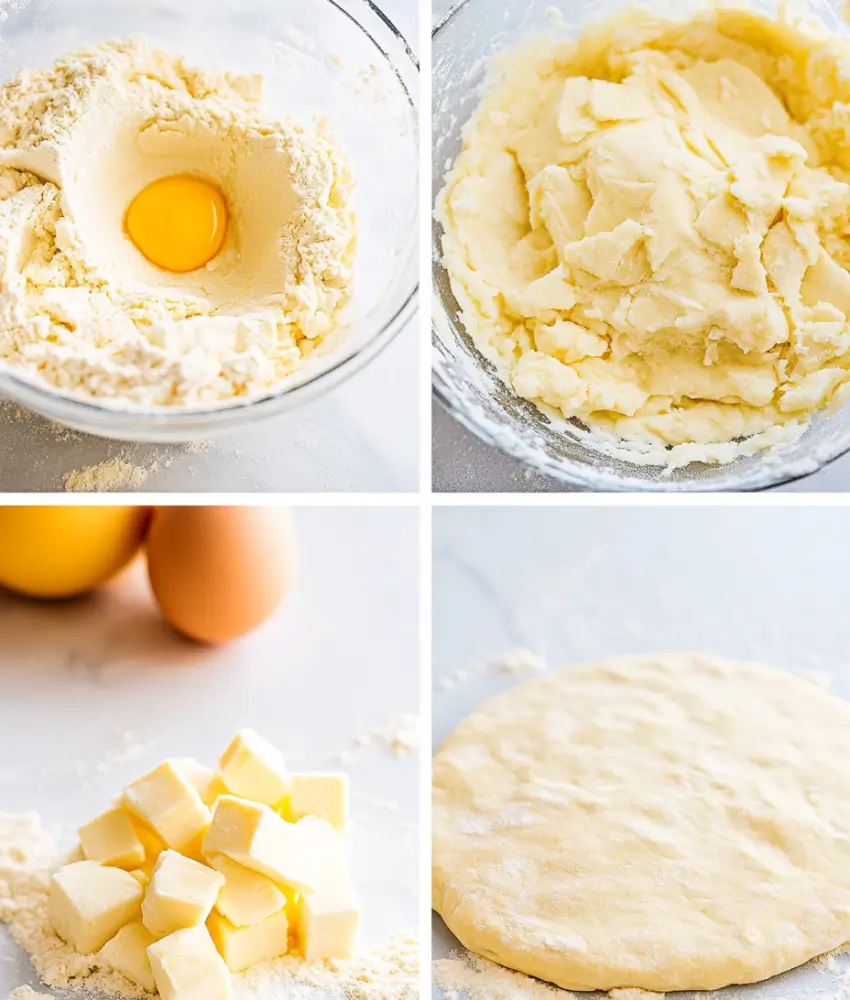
(28, 855)
(519, 662)
(27, 993)
(122, 473)
(399, 737)
(28, 433)
(105, 476)
(464, 975)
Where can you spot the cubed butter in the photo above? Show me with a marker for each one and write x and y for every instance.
(328, 920)
(326, 848)
(253, 769)
(166, 801)
(74, 855)
(323, 794)
(127, 953)
(241, 947)
(181, 894)
(142, 876)
(206, 781)
(246, 898)
(112, 839)
(254, 836)
(89, 903)
(152, 844)
(187, 966)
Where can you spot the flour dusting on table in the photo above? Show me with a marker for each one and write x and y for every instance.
(28, 856)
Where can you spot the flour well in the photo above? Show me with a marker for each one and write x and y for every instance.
(83, 310)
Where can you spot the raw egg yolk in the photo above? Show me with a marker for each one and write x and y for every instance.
(178, 223)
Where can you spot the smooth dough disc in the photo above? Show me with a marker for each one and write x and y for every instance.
(666, 822)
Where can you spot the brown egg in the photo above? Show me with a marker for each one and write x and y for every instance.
(219, 572)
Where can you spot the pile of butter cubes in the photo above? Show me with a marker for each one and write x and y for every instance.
(193, 873)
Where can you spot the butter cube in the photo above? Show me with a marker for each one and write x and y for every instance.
(242, 947)
(181, 894)
(327, 922)
(253, 769)
(169, 805)
(186, 966)
(127, 953)
(207, 783)
(246, 897)
(111, 839)
(257, 838)
(142, 876)
(74, 855)
(152, 844)
(320, 794)
(88, 904)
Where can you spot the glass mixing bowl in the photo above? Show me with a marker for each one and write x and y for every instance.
(340, 58)
(465, 382)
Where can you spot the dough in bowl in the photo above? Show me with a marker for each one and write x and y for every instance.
(668, 822)
(647, 229)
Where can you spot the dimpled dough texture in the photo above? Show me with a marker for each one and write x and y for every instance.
(647, 228)
(664, 822)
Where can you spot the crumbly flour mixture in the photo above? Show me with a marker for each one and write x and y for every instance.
(28, 855)
(80, 307)
(648, 228)
(664, 823)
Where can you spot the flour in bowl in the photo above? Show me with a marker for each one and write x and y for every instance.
(83, 310)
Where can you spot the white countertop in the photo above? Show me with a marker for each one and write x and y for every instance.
(362, 436)
(580, 583)
(98, 691)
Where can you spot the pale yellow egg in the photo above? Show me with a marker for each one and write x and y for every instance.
(219, 572)
(179, 223)
(63, 551)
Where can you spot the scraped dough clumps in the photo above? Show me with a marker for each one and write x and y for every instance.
(83, 310)
(647, 228)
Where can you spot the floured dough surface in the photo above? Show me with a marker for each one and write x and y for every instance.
(80, 307)
(665, 822)
(647, 228)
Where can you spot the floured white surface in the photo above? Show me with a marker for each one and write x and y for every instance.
(580, 584)
(99, 691)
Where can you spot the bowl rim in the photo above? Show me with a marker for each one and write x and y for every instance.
(567, 471)
(581, 475)
(133, 422)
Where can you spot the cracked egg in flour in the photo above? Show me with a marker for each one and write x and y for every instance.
(162, 240)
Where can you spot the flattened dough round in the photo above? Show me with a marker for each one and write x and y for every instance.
(667, 822)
